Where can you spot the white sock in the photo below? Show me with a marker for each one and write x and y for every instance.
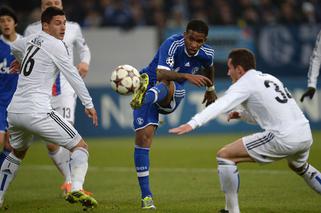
(230, 181)
(8, 171)
(61, 159)
(312, 177)
(78, 166)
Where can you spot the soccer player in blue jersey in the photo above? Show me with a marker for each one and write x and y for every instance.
(162, 89)
(8, 81)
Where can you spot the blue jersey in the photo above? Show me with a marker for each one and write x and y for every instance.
(172, 55)
(8, 81)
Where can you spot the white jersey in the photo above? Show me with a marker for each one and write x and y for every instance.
(43, 57)
(315, 62)
(267, 101)
(73, 39)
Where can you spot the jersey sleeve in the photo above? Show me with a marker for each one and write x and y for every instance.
(315, 62)
(81, 46)
(166, 57)
(18, 48)
(209, 59)
(233, 97)
(64, 63)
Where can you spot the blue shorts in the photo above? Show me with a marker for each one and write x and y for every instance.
(3, 119)
(148, 113)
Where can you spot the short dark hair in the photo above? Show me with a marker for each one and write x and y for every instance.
(197, 26)
(243, 57)
(7, 11)
(50, 12)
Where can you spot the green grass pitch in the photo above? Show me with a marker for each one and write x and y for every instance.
(183, 179)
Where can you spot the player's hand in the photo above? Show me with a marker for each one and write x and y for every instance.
(182, 129)
(233, 115)
(308, 93)
(91, 113)
(209, 97)
(198, 80)
(14, 67)
(83, 69)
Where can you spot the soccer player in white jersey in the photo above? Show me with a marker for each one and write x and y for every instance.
(42, 56)
(264, 101)
(314, 69)
(64, 97)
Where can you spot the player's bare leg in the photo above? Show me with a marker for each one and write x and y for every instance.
(227, 158)
(78, 168)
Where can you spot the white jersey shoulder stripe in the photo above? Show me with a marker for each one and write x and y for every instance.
(173, 46)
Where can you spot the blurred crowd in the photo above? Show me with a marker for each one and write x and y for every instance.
(131, 13)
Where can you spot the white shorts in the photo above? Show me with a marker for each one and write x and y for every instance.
(65, 105)
(50, 127)
(265, 147)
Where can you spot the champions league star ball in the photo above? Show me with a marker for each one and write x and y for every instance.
(125, 80)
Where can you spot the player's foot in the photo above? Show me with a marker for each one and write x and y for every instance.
(79, 196)
(148, 203)
(223, 211)
(137, 100)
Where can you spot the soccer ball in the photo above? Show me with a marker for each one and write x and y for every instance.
(125, 79)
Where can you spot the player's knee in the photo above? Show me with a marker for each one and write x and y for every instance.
(52, 147)
(81, 144)
(223, 153)
(144, 141)
(19, 154)
(144, 137)
(224, 161)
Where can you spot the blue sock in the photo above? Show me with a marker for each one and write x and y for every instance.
(141, 157)
(156, 93)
